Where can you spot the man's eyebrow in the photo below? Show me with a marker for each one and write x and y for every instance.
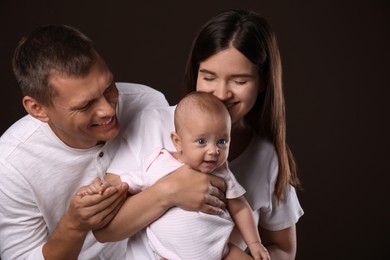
(82, 104)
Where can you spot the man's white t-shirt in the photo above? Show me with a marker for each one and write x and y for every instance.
(39, 174)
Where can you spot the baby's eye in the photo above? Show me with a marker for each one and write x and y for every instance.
(201, 141)
(222, 142)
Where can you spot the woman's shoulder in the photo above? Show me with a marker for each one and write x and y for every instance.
(261, 147)
(256, 170)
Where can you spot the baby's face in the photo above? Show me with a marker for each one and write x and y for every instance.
(205, 142)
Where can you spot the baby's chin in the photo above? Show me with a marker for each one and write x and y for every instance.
(207, 168)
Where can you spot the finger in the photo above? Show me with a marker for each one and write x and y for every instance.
(95, 199)
(265, 255)
(97, 181)
(95, 208)
(103, 186)
(214, 201)
(107, 214)
(214, 191)
(82, 193)
(110, 195)
(211, 210)
(93, 188)
(213, 205)
(115, 207)
(218, 182)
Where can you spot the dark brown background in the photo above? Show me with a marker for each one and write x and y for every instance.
(336, 74)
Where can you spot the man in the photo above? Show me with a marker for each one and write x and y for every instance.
(46, 157)
(66, 141)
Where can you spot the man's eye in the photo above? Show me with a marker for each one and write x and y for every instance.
(201, 141)
(86, 107)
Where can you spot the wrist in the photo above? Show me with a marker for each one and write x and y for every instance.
(166, 193)
(254, 243)
(72, 227)
(65, 242)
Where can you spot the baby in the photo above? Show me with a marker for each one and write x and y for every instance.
(201, 139)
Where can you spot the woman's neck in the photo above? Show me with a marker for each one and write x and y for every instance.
(240, 138)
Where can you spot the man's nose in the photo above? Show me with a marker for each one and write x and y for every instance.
(105, 107)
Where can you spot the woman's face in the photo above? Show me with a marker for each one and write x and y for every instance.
(231, 77)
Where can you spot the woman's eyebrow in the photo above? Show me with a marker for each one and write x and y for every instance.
(242, 75)
(207, 71)
(238, 75)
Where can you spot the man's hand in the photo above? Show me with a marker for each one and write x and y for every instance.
(85, 213)
(98, 186)
(99, 206)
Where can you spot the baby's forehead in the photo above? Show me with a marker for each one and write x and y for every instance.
(198, 105)
(197, 113)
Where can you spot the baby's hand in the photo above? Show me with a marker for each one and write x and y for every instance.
(97, 187)
(258, 251)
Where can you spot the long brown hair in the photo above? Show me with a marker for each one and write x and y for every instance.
(253, 37)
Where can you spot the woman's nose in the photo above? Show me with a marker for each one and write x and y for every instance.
(223, 92)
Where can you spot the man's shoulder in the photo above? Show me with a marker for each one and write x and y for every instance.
(22, 128)
(18, 133)
(135, 88)
(162, 112)
(137, 96)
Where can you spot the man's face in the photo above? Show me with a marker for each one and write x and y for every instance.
(84, 108)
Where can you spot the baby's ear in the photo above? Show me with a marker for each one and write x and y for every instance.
(176, 141)
(35, 109)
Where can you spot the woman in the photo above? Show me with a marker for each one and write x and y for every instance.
(235, 57)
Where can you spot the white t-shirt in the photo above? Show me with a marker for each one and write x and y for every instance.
(181, 234)
(39, 174)
(256, 170)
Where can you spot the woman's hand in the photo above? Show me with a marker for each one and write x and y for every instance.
(193, 190)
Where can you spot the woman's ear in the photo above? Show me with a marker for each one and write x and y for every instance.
(176, 141)
(35, 109)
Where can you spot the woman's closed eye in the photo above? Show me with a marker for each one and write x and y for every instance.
(240, 82)
(208, 78)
